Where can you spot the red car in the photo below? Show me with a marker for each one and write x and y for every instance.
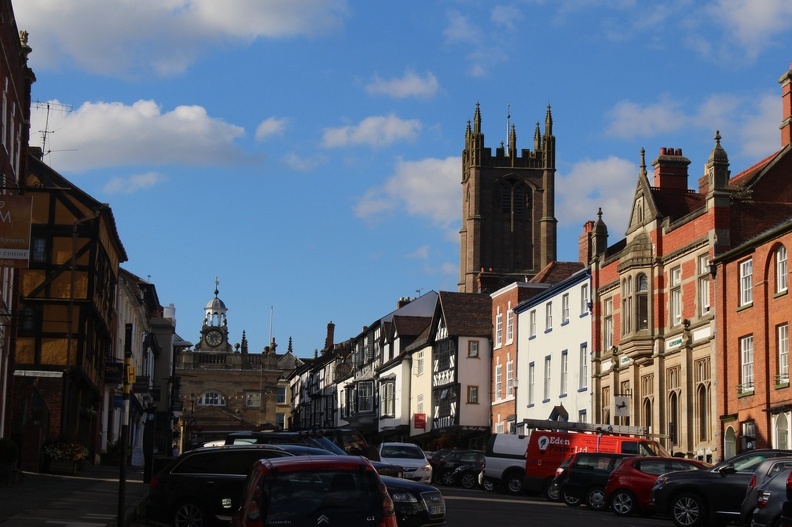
(331, 490)
(629, 488)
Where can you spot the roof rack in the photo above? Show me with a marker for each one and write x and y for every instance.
(548, 424)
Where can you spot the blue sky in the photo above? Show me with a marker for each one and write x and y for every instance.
(307, 152)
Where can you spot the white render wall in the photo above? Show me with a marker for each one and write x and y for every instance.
(401, 370)
(421, 384)
(474, 372)
(535, 347)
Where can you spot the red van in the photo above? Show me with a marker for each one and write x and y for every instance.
(547, 449)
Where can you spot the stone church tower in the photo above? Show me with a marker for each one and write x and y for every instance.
(508, 204)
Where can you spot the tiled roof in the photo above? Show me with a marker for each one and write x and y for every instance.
(675, 204)
(556, 272)
(468, 314)
(410, 326)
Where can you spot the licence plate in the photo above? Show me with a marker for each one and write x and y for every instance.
(435, 510)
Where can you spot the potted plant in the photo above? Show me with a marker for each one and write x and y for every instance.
(65, 455)
(9, 454)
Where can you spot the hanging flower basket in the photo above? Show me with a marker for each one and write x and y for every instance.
(66, 451)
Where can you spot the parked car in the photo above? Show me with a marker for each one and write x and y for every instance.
(408, 456)
(584, 478)
(694, 498)
(505, 463)
(629, 488)
(769, 501)
(322, 490)
(202, 486)
(314, 439)
(766, 471)
(471, 463)
(436, 457)
(416, 504)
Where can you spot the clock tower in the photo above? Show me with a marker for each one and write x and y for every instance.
(214, 332)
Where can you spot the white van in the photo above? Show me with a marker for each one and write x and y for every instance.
(505, 462)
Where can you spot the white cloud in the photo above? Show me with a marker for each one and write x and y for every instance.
(303, 164)
(755, 24)
(459, 29)
(270, 127)
(758, 134)
(410, 85)
(630, 119)
(131, 184)
(428, 188)
(373, 131)
(100, 134)
(592, 184)
(421, 253)
(507, 16)
(161, 36)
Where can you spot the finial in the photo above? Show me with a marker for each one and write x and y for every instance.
(217, 286)
(717, 137)
(643, 161)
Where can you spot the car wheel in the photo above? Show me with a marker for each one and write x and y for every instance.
(570, 500)
(623, 503)
(446, 478)
(190, 514)
(468, 480)
(514, 484)
(488, 484)
(688, 510)
(553, 492)
(595, 499)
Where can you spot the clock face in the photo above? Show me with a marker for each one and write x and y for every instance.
(214, 338)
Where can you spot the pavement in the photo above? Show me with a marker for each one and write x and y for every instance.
(94, 497)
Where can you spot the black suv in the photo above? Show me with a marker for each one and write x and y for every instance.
(698, 497)
(203, 486)
(585, 476)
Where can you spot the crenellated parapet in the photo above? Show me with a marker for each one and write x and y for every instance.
(476, 154)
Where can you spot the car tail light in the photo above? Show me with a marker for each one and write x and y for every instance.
(752, 484)
(388, 510)
(559, 471)
(762, 499)
(154, 482)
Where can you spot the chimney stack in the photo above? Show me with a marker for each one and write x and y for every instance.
(670, 170)
(786, 104)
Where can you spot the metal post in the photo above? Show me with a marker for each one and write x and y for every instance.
(128, 373)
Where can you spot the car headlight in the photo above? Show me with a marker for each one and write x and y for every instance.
(660, 482)
(402, 497)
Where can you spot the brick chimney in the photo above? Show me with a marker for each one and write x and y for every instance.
(670, 170)
(330, 336)
(786, 104)
(584, 243)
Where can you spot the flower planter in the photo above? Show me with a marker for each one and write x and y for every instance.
(57, 466)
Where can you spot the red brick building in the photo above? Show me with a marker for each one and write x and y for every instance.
(691, 308)
(753, 221)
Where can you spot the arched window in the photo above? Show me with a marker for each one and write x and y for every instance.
(627, 305)
(702, 403)
(647, 415)
(642, 301)
(211, 399)
(673, 420)
(729, 443)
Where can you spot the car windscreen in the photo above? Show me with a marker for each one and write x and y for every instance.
(401, 451)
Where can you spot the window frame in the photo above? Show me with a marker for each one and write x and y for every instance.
(746, 283)
(781, 270)
(675, 301)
